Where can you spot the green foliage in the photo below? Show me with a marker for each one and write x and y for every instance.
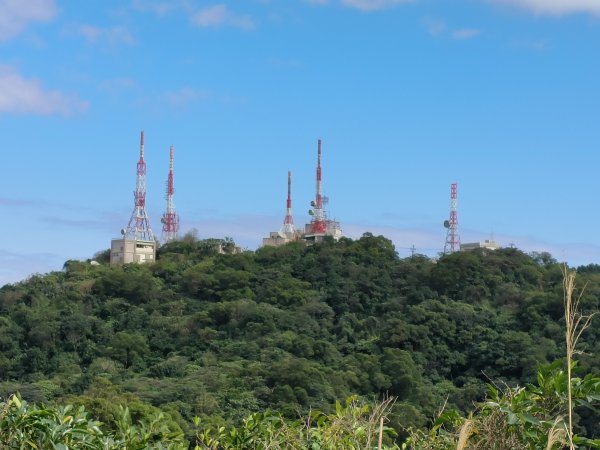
(529, 418)
(293, 328)
(352, 426)
(32, 427)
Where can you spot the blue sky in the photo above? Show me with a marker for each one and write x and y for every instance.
(501, 96)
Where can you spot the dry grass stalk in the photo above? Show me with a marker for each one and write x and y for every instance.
(380, 443)
(576, 323)
(556, 435)
(464, 434)
(378, 417)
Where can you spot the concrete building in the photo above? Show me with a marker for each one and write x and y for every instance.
(488, 244)
(124, 251)
(277, 238)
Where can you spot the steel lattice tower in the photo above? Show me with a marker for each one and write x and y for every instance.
(318, 224)
(139, 224)
(170, 219)
(452, 237)
(288, 223)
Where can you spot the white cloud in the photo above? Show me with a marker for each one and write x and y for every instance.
(555, 7)
(219, 15)
(23, 96)
(372, 5)
(15, 15)
(113, 35)
(465, 33)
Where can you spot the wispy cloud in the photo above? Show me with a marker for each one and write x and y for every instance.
(103, 223)
(555, 7)
(160, 8)
(15, 15)
(16, 267)
(220, 15)
(536, 44)
(465, 33)
(437, 28)
(38, 204)
(112, 35)
(248, 231)
(214, 16)
(26, 96)
(18, 202)
(184, 96)
(434, 27)
(117, 85)
(373, 5)
(574, 253)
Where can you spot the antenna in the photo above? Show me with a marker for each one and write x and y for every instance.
(288, 222)
(318, 223)
(138, 227)
(452, 237)
(170, 219)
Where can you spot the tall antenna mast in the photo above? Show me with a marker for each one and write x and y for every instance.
(318, 223)
(288, 222)
(452, 237)
(139, 224)
(170, 219)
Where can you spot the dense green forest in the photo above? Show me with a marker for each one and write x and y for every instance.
(290, 329)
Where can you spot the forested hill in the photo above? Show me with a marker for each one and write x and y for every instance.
(289, 328)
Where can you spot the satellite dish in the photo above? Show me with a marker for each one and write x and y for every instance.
(162, 220)
(311, 212)
(446, 224)
(123, 231)
(312, 203)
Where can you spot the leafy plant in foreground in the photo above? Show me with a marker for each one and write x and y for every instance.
(352, 426)
(25, 426)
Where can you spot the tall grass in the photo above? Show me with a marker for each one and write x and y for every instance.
(575, 324)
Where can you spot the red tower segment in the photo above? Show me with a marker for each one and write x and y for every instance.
(289, 197)
(288, 222)
(170, 219)
(318, 223)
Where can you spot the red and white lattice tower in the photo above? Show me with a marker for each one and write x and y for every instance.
(288, 223)
(318, 224)
(170, 219)
(139, 224)
(452, 237)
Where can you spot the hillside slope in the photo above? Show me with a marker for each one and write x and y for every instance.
(289, 328)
